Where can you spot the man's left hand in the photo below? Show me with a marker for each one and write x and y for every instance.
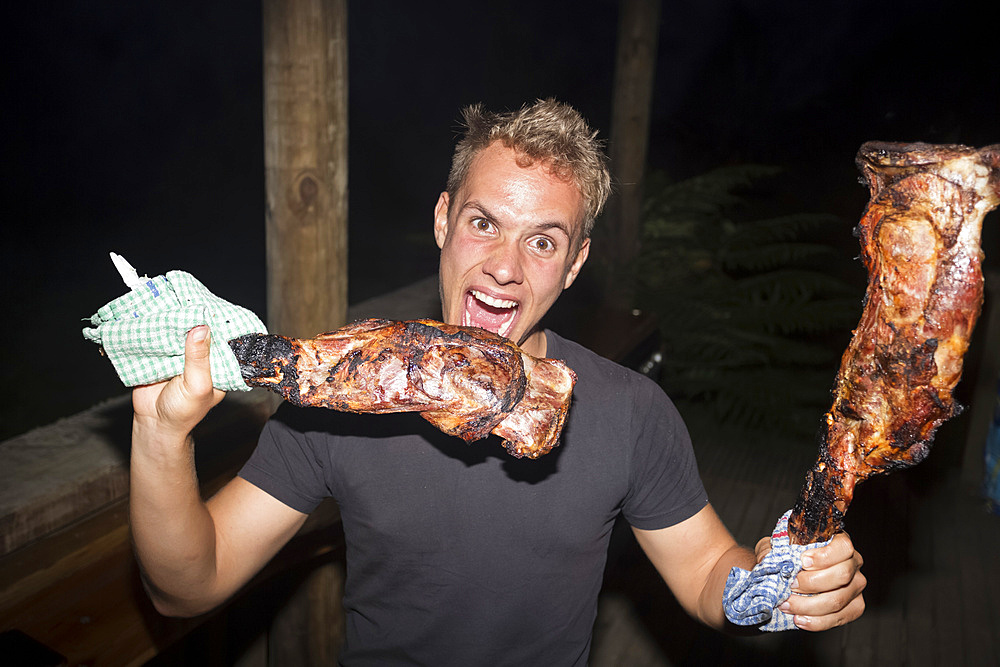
(828, 590)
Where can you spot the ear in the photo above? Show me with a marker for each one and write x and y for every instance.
(578, 262)
(441, 219)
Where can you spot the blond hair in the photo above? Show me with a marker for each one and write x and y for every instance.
(546, 131)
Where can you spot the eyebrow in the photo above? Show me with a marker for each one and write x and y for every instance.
(541, 226)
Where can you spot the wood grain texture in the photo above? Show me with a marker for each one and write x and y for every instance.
(305, 162)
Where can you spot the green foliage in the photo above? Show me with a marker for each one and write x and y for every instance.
(746, 306)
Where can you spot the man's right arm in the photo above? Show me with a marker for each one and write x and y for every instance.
(194, 555)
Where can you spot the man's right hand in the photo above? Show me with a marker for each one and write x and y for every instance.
(175, 407)
(193, 555)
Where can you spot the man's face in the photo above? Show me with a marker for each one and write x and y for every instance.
(510, 244)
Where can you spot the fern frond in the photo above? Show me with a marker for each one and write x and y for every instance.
(790, 284)
(744, 305)
(773, 255)
(782, 228)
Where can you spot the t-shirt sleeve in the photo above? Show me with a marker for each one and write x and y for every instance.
(665, 487)
(286, 463)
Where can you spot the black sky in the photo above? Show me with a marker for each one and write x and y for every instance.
(137, 127)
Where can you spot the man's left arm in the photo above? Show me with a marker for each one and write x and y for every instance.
(694, 558)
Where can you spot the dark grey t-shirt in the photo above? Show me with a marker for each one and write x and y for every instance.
(462, 555)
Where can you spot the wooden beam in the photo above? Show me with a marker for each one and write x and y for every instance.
(638, 32)
(305, 162)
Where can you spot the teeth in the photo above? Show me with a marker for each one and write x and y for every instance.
(505, 327)
(490, 301)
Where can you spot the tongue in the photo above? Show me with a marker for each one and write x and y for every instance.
(485, 316)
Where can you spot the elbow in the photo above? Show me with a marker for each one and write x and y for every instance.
(179, 608)
(176, 607)
(172, 609)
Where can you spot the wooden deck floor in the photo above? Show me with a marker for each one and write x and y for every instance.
(932, 558)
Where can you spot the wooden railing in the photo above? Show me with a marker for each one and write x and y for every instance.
(67, 576)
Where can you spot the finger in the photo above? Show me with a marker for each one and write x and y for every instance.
(816, 623)
(829, 578)
(832, 601)
(185, 399)
(197, 361)
(828, 568)
(840, 549)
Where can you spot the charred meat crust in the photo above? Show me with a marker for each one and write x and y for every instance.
(267, 360)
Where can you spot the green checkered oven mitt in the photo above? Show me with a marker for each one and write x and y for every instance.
(143, 332)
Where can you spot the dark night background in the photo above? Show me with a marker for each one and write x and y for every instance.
(137, 128)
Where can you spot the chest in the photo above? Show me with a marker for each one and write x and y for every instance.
(427, 493)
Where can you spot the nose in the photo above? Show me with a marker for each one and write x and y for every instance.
(504, 264)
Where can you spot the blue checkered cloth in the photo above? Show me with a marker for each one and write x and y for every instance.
(752, 598)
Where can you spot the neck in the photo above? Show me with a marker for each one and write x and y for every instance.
(535, 344)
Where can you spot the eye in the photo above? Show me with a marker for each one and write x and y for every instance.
(543, 244)
(482, 224)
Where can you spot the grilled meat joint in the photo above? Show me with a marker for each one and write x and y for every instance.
(466, 381)
(920, 241)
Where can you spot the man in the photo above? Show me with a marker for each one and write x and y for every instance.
(457, 554)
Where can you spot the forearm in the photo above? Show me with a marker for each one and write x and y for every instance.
(694, 558)
(710, 609)
(173, 532)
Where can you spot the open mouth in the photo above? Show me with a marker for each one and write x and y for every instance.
(490, 313)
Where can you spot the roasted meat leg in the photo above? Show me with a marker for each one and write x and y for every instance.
(920, 241)
(466, 381)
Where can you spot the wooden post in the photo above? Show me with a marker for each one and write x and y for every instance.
(305, 162)
(638, 30)
(309, 628)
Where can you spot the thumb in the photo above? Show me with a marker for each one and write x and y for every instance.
(197, 365)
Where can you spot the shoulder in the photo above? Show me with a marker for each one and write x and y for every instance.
(301, 420)
(610, 396)
(601, 375)
(645, 440)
